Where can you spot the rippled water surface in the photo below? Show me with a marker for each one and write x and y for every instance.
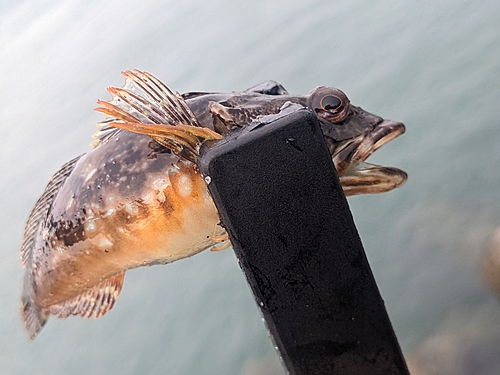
(433, 65)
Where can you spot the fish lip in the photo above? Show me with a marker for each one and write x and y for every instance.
(361, 147)
(367, 178)
(383, 133)
(357, 176)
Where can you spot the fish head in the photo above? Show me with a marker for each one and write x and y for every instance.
(352, 135)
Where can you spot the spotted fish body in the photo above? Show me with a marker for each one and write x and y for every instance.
(125, 204)
(137, 198)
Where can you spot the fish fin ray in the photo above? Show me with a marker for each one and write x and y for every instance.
(42, 207)
(145, 105)
(166, 98)
(268, 88)
(34, 318)
(144, 98)
(95, 302)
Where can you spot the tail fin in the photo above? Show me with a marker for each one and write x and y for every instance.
(33, 317)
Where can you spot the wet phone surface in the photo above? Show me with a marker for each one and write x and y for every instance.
(279, 198)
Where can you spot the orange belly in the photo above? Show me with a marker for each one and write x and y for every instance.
(125, 204)
(134, 234)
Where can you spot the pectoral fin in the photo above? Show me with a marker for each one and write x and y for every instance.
(94, 303)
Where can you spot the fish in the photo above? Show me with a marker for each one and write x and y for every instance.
(137, 198)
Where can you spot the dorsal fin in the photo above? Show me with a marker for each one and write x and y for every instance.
(95, 302)
(42, 208)
(268, 88)
(146, 106)
(143, 99)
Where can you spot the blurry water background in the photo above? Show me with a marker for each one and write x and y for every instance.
(433, 65)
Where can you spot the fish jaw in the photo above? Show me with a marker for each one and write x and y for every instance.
(359, 177)
(367, 178)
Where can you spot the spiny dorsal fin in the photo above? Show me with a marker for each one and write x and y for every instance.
(95, 302)
(42, 208)
(143, 99)
(268, 88)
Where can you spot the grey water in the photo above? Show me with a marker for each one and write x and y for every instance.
(433, 65)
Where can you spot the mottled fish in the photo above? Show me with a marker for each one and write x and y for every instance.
(137, 198)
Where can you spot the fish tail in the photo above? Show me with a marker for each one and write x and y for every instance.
(33, 316)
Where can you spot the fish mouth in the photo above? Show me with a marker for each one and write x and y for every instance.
(359, 177)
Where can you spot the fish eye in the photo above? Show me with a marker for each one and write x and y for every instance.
(330, 102)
